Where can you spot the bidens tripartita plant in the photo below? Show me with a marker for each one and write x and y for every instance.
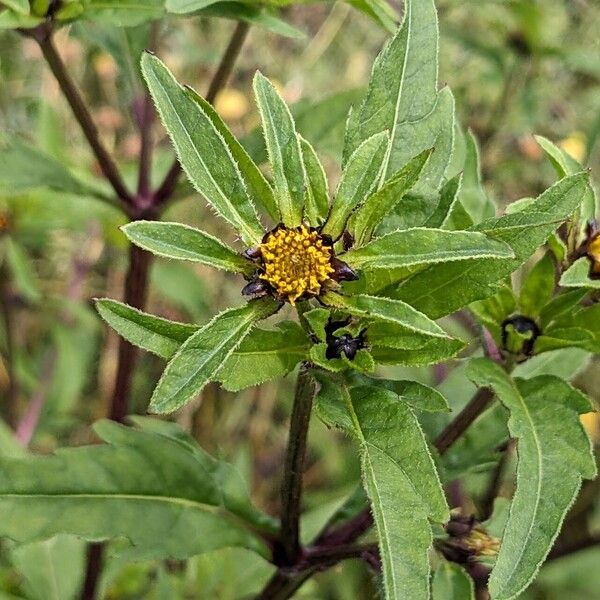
(351, 280)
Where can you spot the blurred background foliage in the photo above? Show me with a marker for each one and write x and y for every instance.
(516, 67)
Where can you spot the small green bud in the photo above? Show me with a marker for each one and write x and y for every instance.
(519, 334)
(40, 8)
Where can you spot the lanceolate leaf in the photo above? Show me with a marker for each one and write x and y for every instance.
(167, 498)
(554, 455)
(283, 146)
(422, 246)
(391, 101)
(203, 354)
(202, 150)
(359, 179)
(399, 477)
(370, 215)
(174, 240)
(258, 187)
(265, 354)
(316, 205)
(385, 309)
(441, 289)
(154, 334)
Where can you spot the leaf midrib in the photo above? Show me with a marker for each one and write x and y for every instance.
(241, 224)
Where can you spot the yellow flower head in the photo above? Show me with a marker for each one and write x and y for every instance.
(296, 262)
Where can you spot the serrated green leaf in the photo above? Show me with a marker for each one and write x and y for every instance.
(359, 178)
(538, 287)
(258, 187)
(317, 318)
(392, 103)
(145, 487)
(421, 246)
(399, 477)
(432, 351)
(577, 276)
(371, 214)
(472, 195)
(316, 203)
(154, 334)
(554, 455)
(417, 395)
(387, 310)
(442, 289)
(203, 354)
(263, 355)
(181, 242)
(283, 146)
(451, 582)
(202, 150)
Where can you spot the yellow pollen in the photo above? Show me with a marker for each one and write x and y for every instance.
(593, 251)
(295, 262)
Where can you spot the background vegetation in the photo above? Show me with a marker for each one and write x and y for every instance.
(516, 67)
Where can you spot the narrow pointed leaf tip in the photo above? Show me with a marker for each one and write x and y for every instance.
(360, 177)
(283, 147)
(554, 455)
(202, 150)
(201, 356)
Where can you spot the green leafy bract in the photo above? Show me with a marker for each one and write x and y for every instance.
(577, 275)
(202, 150)
(421, 246)
(398, 475)
(359, 178)
(174, 240)
(387, 310)
(316, 203)
(201, 356)
(554, 456)
(371, 214)
(154, 334)
(285, 154)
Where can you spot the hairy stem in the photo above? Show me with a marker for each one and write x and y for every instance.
(291, 489)
(167, 187)
(83, 116)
